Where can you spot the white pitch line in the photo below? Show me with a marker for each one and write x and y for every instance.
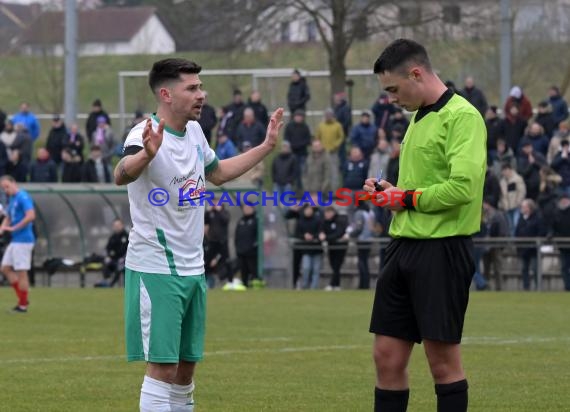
(87, 340)
(491, 340)
(480, 340)
(214, 353)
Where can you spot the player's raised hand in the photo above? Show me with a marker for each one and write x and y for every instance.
(275, 125)
(152, 139)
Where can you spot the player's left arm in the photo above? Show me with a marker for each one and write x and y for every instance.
(236, 166)
(467, 159)
(29, 217)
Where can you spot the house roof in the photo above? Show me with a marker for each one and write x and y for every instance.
(107, 25)
(14, 18)
(17, 15)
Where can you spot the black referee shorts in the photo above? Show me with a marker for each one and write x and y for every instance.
(423, 289)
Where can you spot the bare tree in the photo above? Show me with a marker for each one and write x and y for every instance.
(213, 24)
(341, 22)
(45, 73)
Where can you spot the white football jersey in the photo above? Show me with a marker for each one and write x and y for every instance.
(167, 239)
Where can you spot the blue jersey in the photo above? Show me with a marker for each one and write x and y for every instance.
(19, 204)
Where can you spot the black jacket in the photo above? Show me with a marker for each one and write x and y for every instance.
(284, 169)
(260, 112)
(218, 222)
(494, 131)
(76, 147)
(246, 236)
(492, 189)
(2, 121)
(546, 120)
(562, 166)
(513, 132)
(234, 115)
(89, 172)
(56, 140)
(476, 97)
(312, 225)
(393, 170)
(23, 143)
(91, 123)
(117, 245)
(497, 225)
(3, 158)
(561, 224)
(299, 135)
(355, 173)
(43, 172)
(343, 114)
(530, 227)
(253, 133)
(298, 95)
(382, 114)
(335, 228)
(530, 172)
(208, 121)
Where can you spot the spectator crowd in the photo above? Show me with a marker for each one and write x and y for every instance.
(526, 193)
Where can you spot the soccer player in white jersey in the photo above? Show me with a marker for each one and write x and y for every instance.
(165, 286)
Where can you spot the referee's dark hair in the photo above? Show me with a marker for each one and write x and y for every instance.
(399, 54)
(168, 70)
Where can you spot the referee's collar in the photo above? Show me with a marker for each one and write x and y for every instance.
(435, 107)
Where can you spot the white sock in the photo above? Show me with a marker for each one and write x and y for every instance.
(155, 396)
(182, 398)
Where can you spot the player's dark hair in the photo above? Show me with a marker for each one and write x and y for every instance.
(399, 54)
(170, 69)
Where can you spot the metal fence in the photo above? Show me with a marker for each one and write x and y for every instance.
(546, 248)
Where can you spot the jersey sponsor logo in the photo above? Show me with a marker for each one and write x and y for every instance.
(177, 180)
(189, 183)
(191, 190)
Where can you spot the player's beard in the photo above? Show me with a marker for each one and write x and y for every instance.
(193, 116)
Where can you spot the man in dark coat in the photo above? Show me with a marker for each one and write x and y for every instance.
(475, 96)
(208, 119)
(96, 112)
(299, 93)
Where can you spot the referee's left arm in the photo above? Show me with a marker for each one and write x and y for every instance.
(466, 154)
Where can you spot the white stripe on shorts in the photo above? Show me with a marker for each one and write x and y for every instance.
(146, 311)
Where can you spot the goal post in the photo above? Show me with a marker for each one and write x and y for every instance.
(367, 87)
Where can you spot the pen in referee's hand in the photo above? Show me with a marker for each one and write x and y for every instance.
(377, 183)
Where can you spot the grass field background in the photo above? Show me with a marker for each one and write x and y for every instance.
(275, 350)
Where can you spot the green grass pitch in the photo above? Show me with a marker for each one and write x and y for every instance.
(274, 350)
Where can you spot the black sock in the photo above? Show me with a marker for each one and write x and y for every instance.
(452, 397)
(391, 401)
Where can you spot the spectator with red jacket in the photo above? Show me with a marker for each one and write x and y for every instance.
(518, 98)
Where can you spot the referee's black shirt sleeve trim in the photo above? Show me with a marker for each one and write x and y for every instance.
(409, 200)
(131, 150)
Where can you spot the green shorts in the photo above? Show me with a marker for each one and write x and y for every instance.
(165, 317)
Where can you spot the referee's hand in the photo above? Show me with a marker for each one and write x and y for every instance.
(390, 191)
(369, 184)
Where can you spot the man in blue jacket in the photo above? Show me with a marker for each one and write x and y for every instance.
(28, 119)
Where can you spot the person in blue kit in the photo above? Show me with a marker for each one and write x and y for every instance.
(17, 259)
